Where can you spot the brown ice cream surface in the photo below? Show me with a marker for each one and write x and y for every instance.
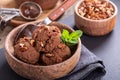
(48, 48)
(48, 43)
(25, 51)
(46, 38)
(59, 54)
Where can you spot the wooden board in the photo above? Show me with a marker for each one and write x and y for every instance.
(19, 20)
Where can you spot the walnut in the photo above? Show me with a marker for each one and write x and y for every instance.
(32, 42)
(49, 55)
(96, 9)
(23, 47)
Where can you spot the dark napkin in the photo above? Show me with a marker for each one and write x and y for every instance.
(89, 67)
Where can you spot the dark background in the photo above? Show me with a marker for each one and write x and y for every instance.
(106, 47)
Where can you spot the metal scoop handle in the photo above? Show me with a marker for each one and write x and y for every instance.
(9, 9)
(6, 14)
(9, 13)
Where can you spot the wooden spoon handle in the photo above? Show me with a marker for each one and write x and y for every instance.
(61, 9)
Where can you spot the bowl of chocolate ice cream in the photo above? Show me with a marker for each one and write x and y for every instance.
(95, 17)
(42, 56)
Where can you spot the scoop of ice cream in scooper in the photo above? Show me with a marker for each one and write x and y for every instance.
(28, 10)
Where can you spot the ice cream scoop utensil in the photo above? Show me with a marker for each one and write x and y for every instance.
(51, 17)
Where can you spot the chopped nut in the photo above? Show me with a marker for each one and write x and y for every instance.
(96, 9)
(49, 55)
(23, 47)
(32, 42)
(61, 46)
(41, 43)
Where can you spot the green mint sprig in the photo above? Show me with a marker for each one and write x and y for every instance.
(71, 38)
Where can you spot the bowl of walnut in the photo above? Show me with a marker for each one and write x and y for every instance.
(95, 17)
(42, 56)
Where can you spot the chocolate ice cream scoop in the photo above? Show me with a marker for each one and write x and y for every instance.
(45, 47)
(59, 54)
(25, 51)
(46, 38)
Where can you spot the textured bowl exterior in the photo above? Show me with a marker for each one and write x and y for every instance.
(45, 4)
(95, 27)
(35, 72)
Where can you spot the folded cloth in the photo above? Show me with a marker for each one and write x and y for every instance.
(89, 67)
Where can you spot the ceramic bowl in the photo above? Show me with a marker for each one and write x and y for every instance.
(95, 27)
(45, 4)
(37, 72)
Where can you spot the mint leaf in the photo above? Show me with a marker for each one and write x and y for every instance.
(65, 33)
(73, 42)
(76, 34)
(71, 38)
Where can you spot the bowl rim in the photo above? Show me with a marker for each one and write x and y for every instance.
(33, 3)
(113, 4)
(21, 62)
